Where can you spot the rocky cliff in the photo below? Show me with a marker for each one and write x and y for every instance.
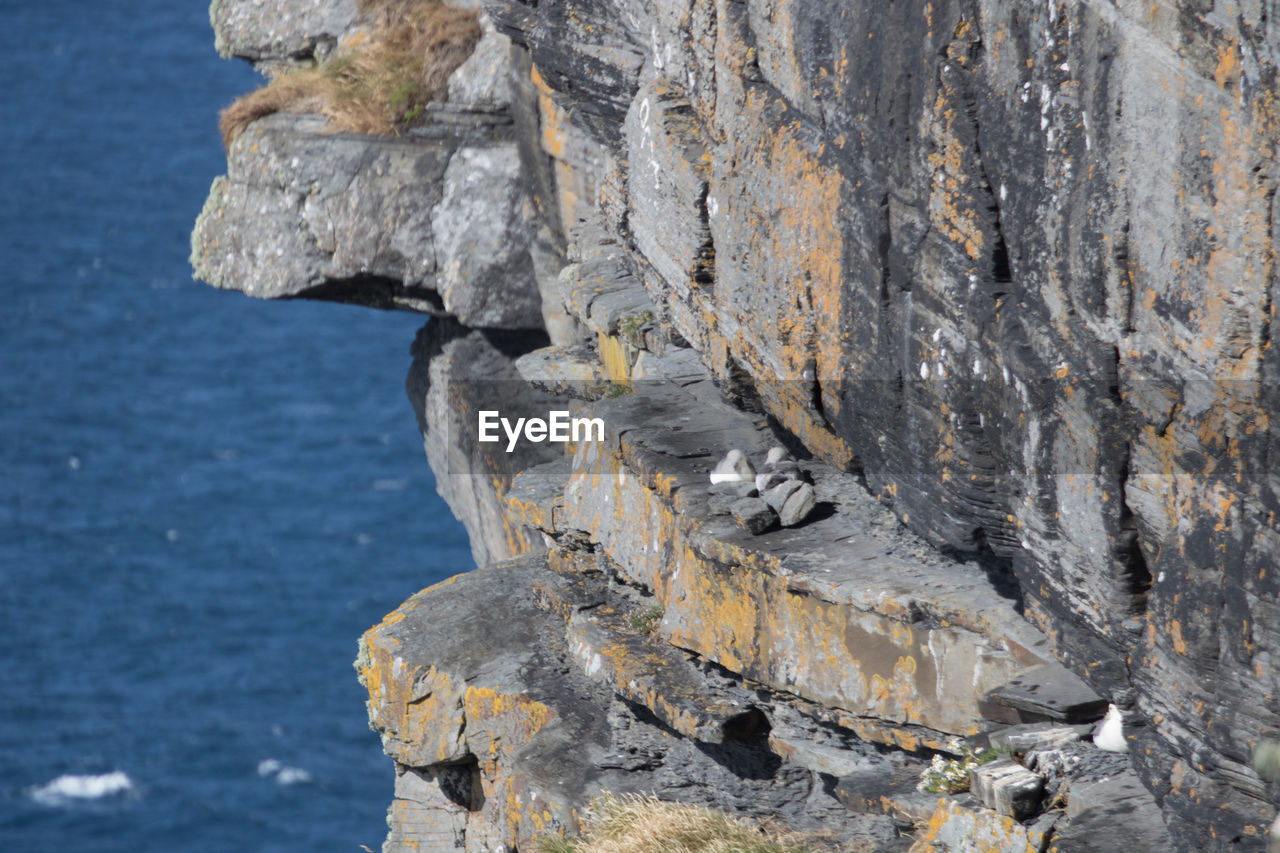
(1000, 274)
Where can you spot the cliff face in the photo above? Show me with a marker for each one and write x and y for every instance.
(1004, 272)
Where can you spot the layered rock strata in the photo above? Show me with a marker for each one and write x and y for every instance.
(1002, 273)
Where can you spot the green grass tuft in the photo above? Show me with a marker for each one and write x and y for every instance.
(646, 619)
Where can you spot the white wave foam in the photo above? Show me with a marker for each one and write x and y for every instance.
(71, 787)
(283, 774)
(293, 776)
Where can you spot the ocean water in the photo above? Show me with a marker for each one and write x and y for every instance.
(204, 499)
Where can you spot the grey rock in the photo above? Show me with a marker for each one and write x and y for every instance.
(667, 184)
(278, 31)
(483, 80)
(798, 507)
(754, 514)
(1007, 787)
(485, 277)
(887, 786)
(733, 489)
(952, 289)
(859, 576)
(778, 496)
(895, 231)
(429, 223)
(1048, 692)
(457, 372)
(1023, 738)
(529, 707)
(1112, 815)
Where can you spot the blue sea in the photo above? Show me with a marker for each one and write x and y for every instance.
(204, 499)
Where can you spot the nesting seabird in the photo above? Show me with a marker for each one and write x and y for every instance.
(1110, 732)
(779, 467)
(778, 454)
(733, 468)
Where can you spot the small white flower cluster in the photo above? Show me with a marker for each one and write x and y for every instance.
(948, 776)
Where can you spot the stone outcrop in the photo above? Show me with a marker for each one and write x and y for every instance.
(1001, 274)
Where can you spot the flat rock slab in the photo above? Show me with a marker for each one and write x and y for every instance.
(1047, 692)
(1023, 738)
(504, 721)
(850, 611)
(887, 788)
(1112, 815)
(960, 825)
(654, 674)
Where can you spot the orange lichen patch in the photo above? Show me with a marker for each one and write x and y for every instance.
(1175, 634)
(617, 356)
(571, 187)
(1228, 68)
(553, 134)
(751, 622)
(420, 710)
(790, 339)
(950, 195)
(522, 716)
(355, 39)
(952, 826)
(528, 513)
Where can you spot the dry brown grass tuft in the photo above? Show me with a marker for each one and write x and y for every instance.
(637, 824)
(379, 87)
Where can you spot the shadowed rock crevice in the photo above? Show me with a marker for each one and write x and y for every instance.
(373, 291)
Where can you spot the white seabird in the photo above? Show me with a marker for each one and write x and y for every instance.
(1110, 733)
(778, 454)
(733, 468)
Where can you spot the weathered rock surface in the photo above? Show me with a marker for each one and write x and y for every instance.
(1023, 738)
(848, 612)
(458, 372)
(280, 31)
(934, 245)
(753, 514)
(1008, 788)
(1047, 692)
(430, 222)
(496, 694)
(1114, 814)
(1008, 266)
